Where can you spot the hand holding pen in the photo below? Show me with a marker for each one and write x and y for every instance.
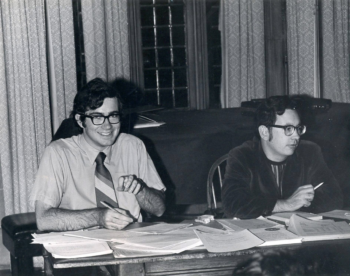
(117, 219)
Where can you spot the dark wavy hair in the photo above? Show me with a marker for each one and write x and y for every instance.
(267, 111)
(92, 95)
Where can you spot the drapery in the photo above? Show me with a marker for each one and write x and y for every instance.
(61, 59)
(105, 26)
(301, 46)
(243, 52)
(335, 58)
(34, 45)
(25, 120)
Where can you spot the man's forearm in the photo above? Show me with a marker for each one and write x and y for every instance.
(55, 219)
(152, 201)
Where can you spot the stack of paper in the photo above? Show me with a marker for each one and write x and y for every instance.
(311, 230)
(228, 241)
(337, 214)
(276, 236)
(68, 245)
(158, 239)
(237, 225)
(78, 249)
(285, 216)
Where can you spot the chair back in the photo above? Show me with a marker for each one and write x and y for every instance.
(214, 185)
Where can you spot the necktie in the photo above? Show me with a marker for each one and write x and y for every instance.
(104, 187)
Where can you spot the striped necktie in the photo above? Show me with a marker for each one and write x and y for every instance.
(104, 187)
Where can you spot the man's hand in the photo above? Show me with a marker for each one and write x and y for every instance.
(302, 197)
(117, 219)
(129, 184)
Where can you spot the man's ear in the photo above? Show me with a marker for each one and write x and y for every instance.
(264, 132)
(77, 118)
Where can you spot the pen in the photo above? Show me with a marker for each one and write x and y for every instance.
(319, 185)
(104, 203)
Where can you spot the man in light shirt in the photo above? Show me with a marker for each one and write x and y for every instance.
(64, 191)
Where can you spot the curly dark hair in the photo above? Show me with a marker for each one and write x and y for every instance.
(92, 95)
(267, 111)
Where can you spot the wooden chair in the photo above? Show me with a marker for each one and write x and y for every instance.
(214, 185)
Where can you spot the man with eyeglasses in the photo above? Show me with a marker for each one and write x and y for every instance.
(79, 177)
(276, 171)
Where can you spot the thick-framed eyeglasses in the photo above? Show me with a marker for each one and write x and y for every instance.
(289, 130)
(100, 119)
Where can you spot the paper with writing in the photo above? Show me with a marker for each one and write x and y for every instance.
(160, 228)
(78, 250)
(104, 234)
(249, 223)
(231, 241)
(338, 214)
(318, 230)
(275, 236)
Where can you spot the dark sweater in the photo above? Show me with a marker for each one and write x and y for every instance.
(250, 189)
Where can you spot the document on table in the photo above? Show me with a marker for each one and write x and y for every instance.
(56, 237)
(104, 234)
(337, 214)
(248, 223)
(231, 241)
(78, 250)
(160, 228)
(311, 230)
(131, 249)
(284, 217)
(158, 241)
(275, 236)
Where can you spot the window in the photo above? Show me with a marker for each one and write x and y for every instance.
(164, 52)
(175, 51)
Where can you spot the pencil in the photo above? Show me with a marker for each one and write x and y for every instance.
(104, 203)
(319, 185)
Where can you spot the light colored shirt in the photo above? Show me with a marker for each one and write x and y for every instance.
(66, 175)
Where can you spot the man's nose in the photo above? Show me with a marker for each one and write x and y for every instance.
(106, 123)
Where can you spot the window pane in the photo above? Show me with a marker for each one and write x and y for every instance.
(150, 79)
(180, 77)
(149, 58)
(151, 97)
(178, 36)
(216, 55)
(146, 16)
(177, 13)
(162, 2)
(179, 56)
(181, 98)
(163, 37)
(146, 2)
(162, 15)
(164, 58)
(165, 78)
(166, 98)
(147, 37)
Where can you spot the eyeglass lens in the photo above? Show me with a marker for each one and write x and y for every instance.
(290, 130)
(99, 120)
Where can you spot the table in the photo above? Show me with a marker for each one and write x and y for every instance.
(200, 262)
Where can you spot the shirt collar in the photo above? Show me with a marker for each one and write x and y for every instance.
(91, 152)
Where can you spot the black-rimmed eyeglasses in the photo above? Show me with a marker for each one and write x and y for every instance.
(100, 119)
(289, 130)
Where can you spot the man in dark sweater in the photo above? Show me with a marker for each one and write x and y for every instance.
(276, 171)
